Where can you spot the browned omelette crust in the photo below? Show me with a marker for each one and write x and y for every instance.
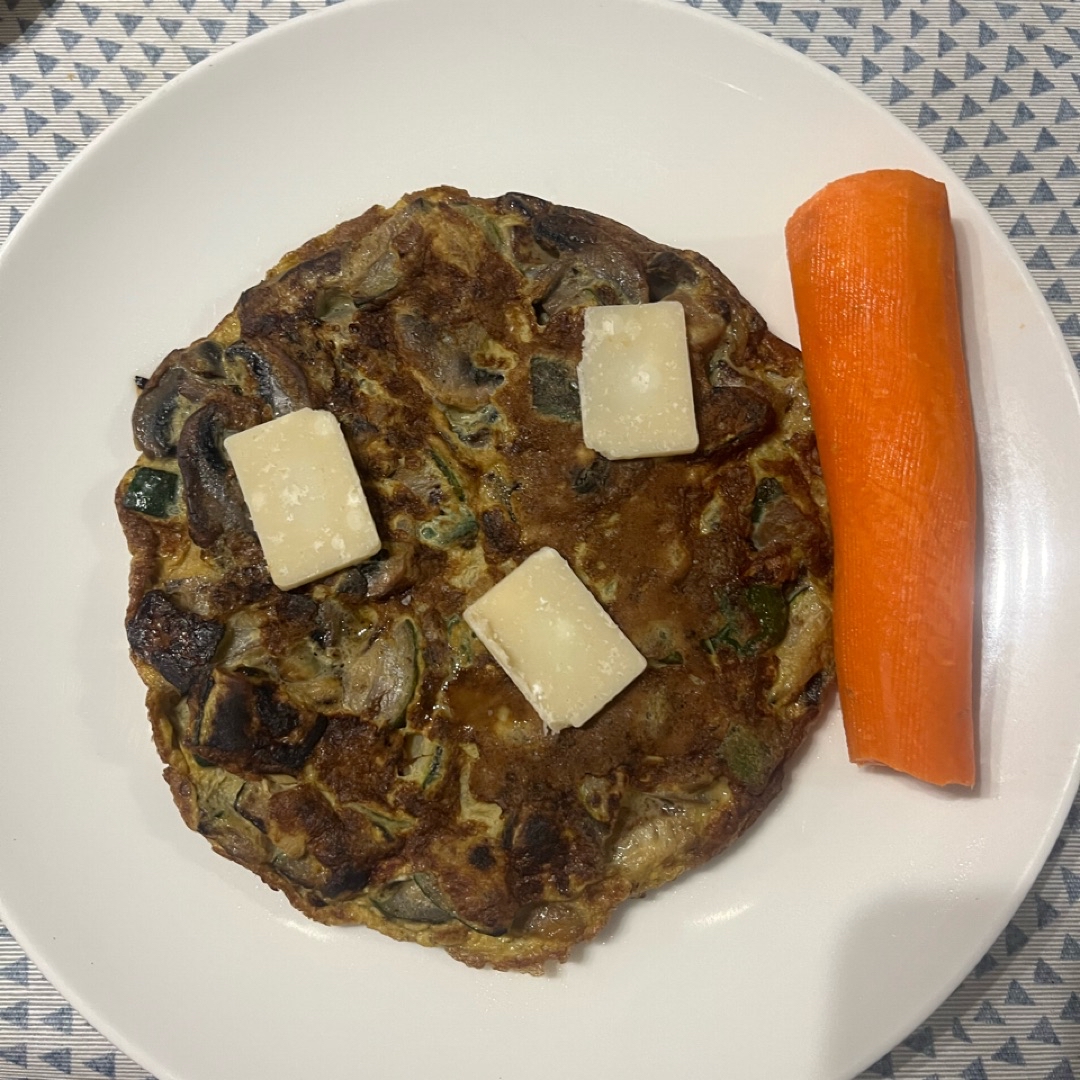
(351, 741)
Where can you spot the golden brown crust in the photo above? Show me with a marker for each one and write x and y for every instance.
(351, 742)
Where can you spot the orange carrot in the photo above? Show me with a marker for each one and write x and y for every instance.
(873, 268)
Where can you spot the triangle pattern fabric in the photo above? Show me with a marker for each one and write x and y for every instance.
(993, 87)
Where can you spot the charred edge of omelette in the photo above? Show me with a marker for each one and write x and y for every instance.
(350, 741)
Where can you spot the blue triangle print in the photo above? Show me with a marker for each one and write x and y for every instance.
(771, 11)
(978, 169)
(888, 7)
(194, 56)
(36, 168)
(1074, 261)
(61, 99)
(129, 22)
(969, 107)
(90, 13)
(20, 87)
(1021, 227)
(1065, 112)
(942, 83)
(187, 5)
(1045, 140)
(1070, 947)
(295, 9)
(7, 52)
(1045, 975)
(34, 121)
(133, 78)
(1015, 938)
(957, 11)
(1009, 1053)
(153, 53)
(103, 1066)
(973, 66)
(733, 6)
(999, 89)
(1072, 884)
(87, 124)
(7, 145)
(1056, 56)
(45, 63)
(958, 1031)
(1014, 58)
(975, 1071)
(1053, 13)
(1072, 1006)
(68, 38)
(60, 1020)
(18, 1015)
(839, 42)
(850, 15)
(921, 1041)
(1016, 994)
(945, 44)
(1043, 1032)
(60, 1060)
(898, 91)
(229, 5)
(109, 49)
(809, 19)
(170, 26)
(1007, 11)
(883, 1067)
(986, 35)
(1032, 32)
(15, 1054)
(86, 74)
(1039, 261)
(987, 963)
(212, 27)
(254, 24)
(801, 45)
(1040, 84)
(1074, 34)
(986, 1013)
(112, 102)
(64, 147)
(1063, 1070)
(1023, 114)
(882, 37)
(927, 115)
(870, 70)
(953, 141)
(911, 59)
(1043, 193)
(29, 28)
(19, 972)
(918, 24)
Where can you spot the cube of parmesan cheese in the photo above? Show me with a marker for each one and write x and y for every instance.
(305, 499)
(637, 398)
(550, 635)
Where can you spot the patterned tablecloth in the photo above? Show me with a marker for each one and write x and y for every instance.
(991, 85)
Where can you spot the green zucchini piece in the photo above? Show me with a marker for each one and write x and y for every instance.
(152, 492)
(405, 900)
(754, 619)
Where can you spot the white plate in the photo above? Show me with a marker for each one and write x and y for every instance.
(861, 898)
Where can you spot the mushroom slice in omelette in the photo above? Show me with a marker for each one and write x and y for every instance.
(351, 741)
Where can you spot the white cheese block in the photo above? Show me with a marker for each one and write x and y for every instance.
(305, 499)
(637, 397)
(550, 635)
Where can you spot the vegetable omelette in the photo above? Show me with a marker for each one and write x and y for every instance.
(351, 741)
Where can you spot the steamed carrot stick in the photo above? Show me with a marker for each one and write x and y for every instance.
(873, 268)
